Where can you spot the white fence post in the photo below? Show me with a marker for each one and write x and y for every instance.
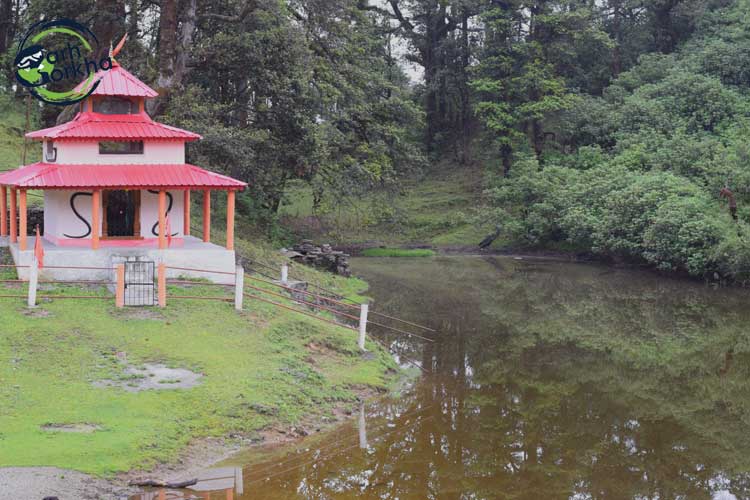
(239, 287)
(33, 281)
(363, 325)
(284, 274)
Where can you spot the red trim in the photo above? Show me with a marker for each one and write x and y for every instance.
(120, 176)
(103, 243)
(88, 125)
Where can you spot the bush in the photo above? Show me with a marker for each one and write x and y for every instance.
(684, 234)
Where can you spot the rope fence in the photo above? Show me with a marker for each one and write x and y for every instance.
(352, 303)
(315, 301)
(200, 270)
(261, 299)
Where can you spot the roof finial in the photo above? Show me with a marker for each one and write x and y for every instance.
(113, 53)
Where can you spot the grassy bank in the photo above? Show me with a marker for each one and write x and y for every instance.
(433, 210)
(398, 252)
(261, 367)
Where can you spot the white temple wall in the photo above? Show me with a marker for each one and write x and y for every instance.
(59, 218)
(150, 213)
(79, 152)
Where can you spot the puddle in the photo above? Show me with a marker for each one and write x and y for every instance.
(81, 428)
(153, 377)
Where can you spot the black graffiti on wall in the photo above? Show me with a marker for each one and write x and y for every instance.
(170, 202)
(82, 218)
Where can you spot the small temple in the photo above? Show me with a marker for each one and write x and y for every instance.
(116, 188)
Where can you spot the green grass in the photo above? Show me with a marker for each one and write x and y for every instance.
(398, 252)
(264, 366)
(12, 127)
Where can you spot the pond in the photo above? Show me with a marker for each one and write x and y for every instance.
(546, 380)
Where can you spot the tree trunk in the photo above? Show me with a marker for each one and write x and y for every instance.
(187, 31)
(617, 32)
(537, 139)
(664, 34)
(167, 55)
(506, 154)
(465, 112)
(430, 81)
(133, 16)
(6, 25)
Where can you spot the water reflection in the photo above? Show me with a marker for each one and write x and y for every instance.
(223, 483)
(548, 380)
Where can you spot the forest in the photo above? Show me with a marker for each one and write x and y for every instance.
(615, 128)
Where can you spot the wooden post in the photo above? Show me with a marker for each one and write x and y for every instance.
(33, 281)
(206, 215)
(230, 220)
(363, 325)
(22, 226)
(120, 287)
(162, 220)
(186, 213)
(96, 226)
(239, 287)
(4, 211)
(162, 285)
(13, 216)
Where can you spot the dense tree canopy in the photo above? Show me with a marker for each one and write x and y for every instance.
(605, 126)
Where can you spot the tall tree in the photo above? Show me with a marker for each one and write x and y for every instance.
(527, 59)
(429, 26)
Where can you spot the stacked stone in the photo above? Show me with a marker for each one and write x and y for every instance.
(322, 257)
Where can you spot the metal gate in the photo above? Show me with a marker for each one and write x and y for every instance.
(140, 289)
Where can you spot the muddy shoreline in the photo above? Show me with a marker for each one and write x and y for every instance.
(37, 483)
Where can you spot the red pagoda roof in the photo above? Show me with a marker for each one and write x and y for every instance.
(92, 176)
(90, 125)
(118, 81)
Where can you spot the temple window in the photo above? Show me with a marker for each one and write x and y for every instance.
(121, 147)
(115, 106)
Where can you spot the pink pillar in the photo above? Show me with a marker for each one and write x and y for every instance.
(3, 211)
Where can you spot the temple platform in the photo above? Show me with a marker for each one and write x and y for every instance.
(194, 253)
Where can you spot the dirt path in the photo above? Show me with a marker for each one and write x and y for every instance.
(36, 483)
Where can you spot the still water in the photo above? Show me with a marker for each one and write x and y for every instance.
(546, 380)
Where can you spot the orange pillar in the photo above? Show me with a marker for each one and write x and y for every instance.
(230, 220)
(22, 226)
(3, 211)
(162, 220)
(207, 215)
(161, 278)
(120, 290)
(13, 216)
(186, 214)
(95, 224)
